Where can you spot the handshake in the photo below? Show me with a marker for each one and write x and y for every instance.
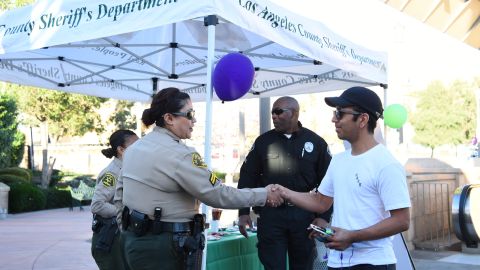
(276, 195)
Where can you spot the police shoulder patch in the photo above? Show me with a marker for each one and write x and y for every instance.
(108, 180)
(197, 161)
(213, 179)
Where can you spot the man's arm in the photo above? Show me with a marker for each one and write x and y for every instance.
(313, 202)
(323, 161)
(322, 167)
(249, 174)
(399, 221)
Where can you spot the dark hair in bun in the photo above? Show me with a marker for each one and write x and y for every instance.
(118, 138)
(168, 100)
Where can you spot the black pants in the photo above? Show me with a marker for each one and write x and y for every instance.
(282, 230)
(152, 251)
(113, 260)
(367, 267)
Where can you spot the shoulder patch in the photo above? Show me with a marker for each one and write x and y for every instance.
(213, 179)
(108, 180)
(197, 161)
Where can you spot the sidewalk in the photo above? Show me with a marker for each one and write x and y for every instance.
(59, 239)
(444, 260)
(56, 239)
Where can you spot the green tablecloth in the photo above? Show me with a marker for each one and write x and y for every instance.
(233, 252)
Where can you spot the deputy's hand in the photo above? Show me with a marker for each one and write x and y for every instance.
(274, 198)
(284, 192)
(243, 221)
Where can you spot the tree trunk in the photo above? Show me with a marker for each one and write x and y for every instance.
(45, 165)
(431, 153)
(50, 170)
(45, 168)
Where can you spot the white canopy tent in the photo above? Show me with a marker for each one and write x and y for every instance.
(116, 48)
(128, 49)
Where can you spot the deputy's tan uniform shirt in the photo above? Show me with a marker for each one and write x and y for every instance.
(159, 170)
(102, 201)
(118, 200)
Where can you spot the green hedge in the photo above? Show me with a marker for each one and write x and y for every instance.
(17, 171)
(25, 197)
(56, 177)
(18, 148)
(11, 179)
(11, 142)
(57, 198)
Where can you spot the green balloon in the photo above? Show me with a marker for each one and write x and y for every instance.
(395, 116)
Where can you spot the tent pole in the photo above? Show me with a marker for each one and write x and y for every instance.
(385, 87)
(209, 21)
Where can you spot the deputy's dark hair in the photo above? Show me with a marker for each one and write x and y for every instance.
(168, 100)
(372, 119)
(118, 138)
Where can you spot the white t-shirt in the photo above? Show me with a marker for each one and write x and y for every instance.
(364, 187)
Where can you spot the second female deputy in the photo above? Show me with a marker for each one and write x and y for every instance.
(164, 182)
(105, 243)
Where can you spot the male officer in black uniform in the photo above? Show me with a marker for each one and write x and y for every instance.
(294, 157)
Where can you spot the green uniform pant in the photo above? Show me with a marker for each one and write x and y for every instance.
(113, 260)
(152, 251)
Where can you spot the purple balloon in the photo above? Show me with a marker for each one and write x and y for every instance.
(233, 76)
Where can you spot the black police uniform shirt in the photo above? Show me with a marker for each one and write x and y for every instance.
(298, 163)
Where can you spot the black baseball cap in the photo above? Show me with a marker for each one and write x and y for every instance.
(358, 96)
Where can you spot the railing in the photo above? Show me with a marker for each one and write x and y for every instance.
(431, 214)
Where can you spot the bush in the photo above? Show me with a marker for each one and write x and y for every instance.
(11, 179)
(57, 198)
(57, 176)
(18, 148)
(25, 197)
(17, 171)
(10, 141)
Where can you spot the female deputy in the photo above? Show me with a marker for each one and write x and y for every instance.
(105, 243)
(163, 183)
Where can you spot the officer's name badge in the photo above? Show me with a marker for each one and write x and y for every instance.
(109, 180)
(197, 161)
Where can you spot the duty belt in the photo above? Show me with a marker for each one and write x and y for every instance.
(174, 227)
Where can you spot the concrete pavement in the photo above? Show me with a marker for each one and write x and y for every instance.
(59, 239)
(56, 239)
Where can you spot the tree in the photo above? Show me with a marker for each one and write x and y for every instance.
(12, 141)
(59, 114)
(445, 115)
(122, 118)
(66, 114)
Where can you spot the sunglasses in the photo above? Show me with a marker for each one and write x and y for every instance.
(278, 111)
(188, 114)
(340, 113)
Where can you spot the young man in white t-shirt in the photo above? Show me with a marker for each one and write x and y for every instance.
(367, 184)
